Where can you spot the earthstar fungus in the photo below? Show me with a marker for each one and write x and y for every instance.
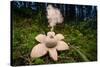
(50, 43)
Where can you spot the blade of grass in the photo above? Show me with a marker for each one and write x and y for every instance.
(80, 53)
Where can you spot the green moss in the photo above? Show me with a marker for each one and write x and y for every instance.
(39, 61)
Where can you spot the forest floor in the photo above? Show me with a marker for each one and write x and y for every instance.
(82, 39)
